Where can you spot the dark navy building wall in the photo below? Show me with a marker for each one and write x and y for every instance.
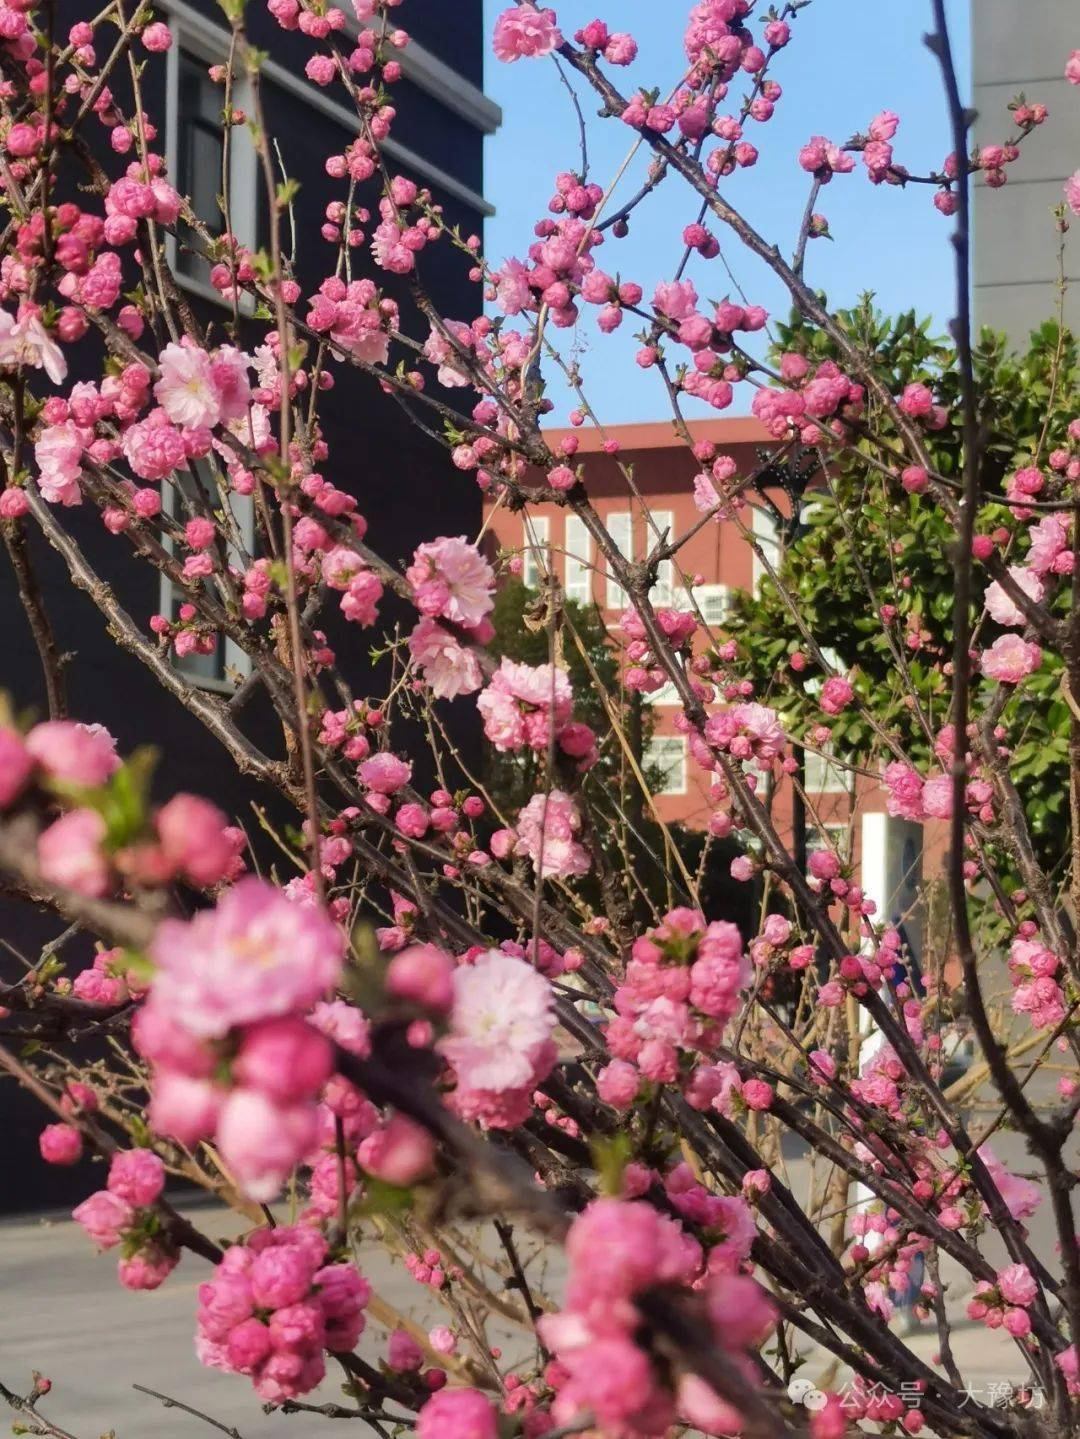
(403, 481)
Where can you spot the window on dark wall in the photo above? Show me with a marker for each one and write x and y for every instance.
(200, 146)
(227, 664)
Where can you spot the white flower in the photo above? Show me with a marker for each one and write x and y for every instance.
(502, 1019)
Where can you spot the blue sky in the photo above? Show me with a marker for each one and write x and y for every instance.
(848, 59)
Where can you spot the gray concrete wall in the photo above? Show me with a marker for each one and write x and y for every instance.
(1022, 45)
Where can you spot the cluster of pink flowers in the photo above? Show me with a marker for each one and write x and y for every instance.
(526, 706)
(1036, 990)
(123, 1213)
(525, 32)
(228, 996)
(746, 732)
(643, 672)
(187, 838)
(356, 317)
(499, 1044)
(681, 988)
(274, 1306)
(812, 400)
(1005, 1302)
(617, 1251)
(547, 832)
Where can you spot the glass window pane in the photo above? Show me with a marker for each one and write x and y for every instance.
(620, 528)
(578, 557)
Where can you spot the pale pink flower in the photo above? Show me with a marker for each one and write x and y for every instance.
(58, 452)
(522, 702)
(25, 341)
(458, 1414)
(153, 447)
(1005, 610)
(186, 389)
(1010, 659)
(502, 1018)
(385, 773)
(450, 578)
(262, 1142)
(1017, 1285)
(450, 667)
(105, 1216)
(546, 830)
(706, 496)
(16, 762)
(253, 956)
(137, 1176)
(1072, 192)
(524, 32)
(78, 754)
(70, 853)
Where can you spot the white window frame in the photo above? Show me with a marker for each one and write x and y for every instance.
(207, 43)
(674, 769)
(708, 596)
(663, 591)
(666, 696)
(536, 535)
(577, 544)
(764, 529)
(822, 775)
(619, 520)
(236, 658)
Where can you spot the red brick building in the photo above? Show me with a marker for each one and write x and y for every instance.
(717, 560)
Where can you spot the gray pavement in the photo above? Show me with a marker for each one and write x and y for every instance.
(64, 1313)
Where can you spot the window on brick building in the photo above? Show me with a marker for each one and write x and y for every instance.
(666, 755)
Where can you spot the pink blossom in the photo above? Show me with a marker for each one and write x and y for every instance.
(262, 1142)
(153, 447)
(1072, 192)
(183, 1107)
(450, 667)
(401, 1152)
(1016, 1285)
(836, 695)
(525, 32)
(1010, 659)
(617, 1084)
(384, 773)
(1005, 610)
(937, 796)
(423, 974)
(60, 1144)
(59, 457)
(16, 764)
(157, 37)
(450, 578)
(546, 830)
(457, 1414)
(905, 790)
(70, 853)
(194, 839)
(76, 754)
(148, 1267)
(254, 956)
(186, 390)
(522, 702)
(344, 1024)
(501, 1021)
(137, 1176)
(25, 341)
(105, 1216)
(285, 1059)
